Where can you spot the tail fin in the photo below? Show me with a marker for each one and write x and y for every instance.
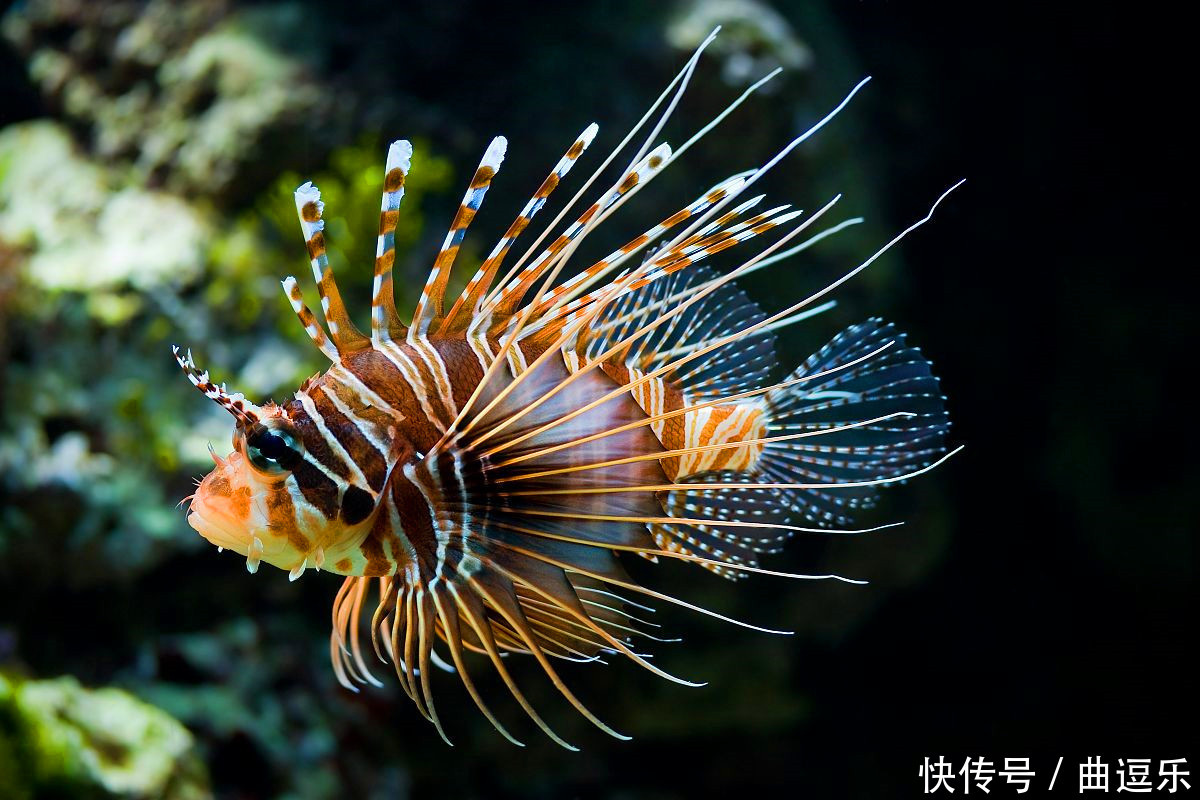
(834, 406)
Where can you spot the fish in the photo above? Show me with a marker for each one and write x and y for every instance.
(481, 475)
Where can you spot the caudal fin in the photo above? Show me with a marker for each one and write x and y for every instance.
(840, 409)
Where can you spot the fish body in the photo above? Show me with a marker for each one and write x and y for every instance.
(487, 467)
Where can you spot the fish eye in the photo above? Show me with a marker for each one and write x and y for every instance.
(273, 448)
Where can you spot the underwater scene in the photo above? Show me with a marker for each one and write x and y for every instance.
(500, 486)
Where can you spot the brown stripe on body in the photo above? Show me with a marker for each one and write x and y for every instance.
(385, 379)
(317, 489)
(377, 419)
(281, 518)
(369, 460)
(716, 416)
(615, 370)
(462, 367)
(416, 520)
(672, 434)
(378, 564)
(314, 442)
(428, 382)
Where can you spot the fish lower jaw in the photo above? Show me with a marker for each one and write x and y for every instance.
(216, 533)
(219, 534)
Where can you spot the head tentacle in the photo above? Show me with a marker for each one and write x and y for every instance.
(235, 403)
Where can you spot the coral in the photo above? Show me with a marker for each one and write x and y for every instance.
(59, 738)
(83, 228)
(755, 37)
(188, 94)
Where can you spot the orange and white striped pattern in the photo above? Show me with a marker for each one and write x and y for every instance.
(467, 305)
(429, 308)
(503, 307)
(593, 273)
(383, 297)
(309, 208)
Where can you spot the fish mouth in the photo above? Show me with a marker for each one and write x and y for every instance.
(222, 532)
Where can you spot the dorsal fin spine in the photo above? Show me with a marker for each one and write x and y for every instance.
(346, 337)
(430, 308)
(384, 318)
(472, 296)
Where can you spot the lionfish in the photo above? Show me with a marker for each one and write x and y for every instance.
(488, 466)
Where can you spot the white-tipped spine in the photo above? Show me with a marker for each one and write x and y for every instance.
(589, 133)
(399, 157)
(494, 155)
(307, 193)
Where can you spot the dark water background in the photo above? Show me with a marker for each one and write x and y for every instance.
(1036, 602)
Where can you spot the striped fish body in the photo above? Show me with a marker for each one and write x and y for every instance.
(380, 409)
(481, 472)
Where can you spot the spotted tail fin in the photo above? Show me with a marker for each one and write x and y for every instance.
(866, 423)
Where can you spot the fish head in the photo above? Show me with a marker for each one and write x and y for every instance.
(270, 499)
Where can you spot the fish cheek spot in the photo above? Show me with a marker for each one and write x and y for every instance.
(239, 503)
(357, 505)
